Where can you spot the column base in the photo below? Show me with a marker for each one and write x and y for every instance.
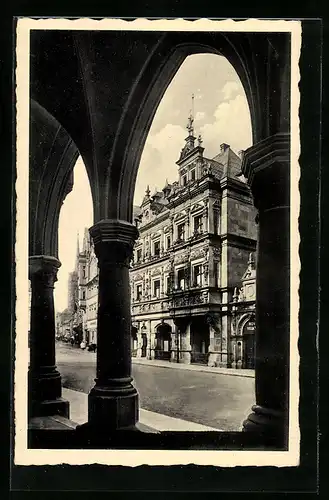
(213, 359)
(112, 409)
(48, 408)
(45, 394)
(267, 422)
(186, 357)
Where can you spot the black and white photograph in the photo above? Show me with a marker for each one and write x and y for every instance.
(157, 264)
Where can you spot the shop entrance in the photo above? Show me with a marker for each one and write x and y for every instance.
(163, 342)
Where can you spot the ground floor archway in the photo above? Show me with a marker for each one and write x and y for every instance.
(163, 342)
(248, 335)
(200, 340)
(134, 341)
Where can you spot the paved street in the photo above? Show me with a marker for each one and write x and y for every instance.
(216, 400)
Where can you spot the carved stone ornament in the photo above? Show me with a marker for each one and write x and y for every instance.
(199, 252)
(182, 258)
(180, 217)
(156, 271)
(196, 207)
(216, 252)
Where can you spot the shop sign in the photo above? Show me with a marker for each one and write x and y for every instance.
(249, 327)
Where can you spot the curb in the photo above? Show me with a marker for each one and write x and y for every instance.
(234, 373)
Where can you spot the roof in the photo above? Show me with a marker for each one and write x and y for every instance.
(230, 161)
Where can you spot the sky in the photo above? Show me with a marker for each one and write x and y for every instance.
(221, 114)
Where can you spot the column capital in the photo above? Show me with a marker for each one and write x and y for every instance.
(43, 264)
(266, 166)
(114, 230)
(114, 240)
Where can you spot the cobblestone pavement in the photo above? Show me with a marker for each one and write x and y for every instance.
(213, 399)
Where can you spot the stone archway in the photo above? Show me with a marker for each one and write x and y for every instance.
(245, 342)
(162, 348)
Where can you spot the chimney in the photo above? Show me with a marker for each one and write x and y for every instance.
(224, 147)
(241, 153)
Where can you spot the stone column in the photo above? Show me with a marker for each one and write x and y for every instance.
(113, 401)
(205, 218)
(186, 344)
(151, 342)
(266, 166)
(139, 344)
(45, 389)
(214, 355)
(173, 353)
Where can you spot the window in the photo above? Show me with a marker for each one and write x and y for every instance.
(198, 224)
(180, 232)
(84, 271)
(83, 295)
(216, 274)
(216, 220)
(193, 175)
(184, 180)
(156, 248)
(139, 255)
(156, 288)
(138, 292)
(168, 242)
(181, 279)
(197, 275)
(167, 285)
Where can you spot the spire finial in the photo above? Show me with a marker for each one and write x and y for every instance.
(147, 192)
(200, 141)
(191, 119)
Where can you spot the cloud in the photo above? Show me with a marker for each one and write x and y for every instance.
(158, 161)
(232, 125)
(200, 115)
(230, 88)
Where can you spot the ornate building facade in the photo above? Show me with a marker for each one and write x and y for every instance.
(188, 278)
(195, 237)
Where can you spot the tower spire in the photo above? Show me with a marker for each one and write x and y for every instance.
(77, 253)
(190, 121)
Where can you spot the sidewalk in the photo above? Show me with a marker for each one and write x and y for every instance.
(198, 368)
(157, 421)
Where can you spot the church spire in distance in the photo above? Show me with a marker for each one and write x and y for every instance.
(77, 253)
